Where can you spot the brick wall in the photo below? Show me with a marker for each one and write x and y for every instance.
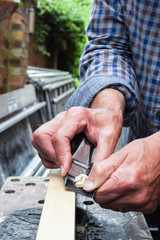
(14, 42)
(4, 44)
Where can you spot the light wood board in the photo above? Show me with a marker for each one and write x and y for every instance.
(58, 216)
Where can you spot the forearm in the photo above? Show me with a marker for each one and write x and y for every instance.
(107, 59)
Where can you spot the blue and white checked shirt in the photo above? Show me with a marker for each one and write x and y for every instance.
(123, 53)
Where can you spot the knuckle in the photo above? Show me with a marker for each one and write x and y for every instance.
(36, 134)
(142, 199)
(96, 170)
(111, 134)
(134, 181)
(47, 164)
(60, 116)
(76, 111)
(150, 208)
(102, 205)
(33, 142)
(55, 139)
(39, 132)
(58, 119)
(96, 199)
(57, 136)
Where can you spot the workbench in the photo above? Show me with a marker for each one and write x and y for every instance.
(22, 199)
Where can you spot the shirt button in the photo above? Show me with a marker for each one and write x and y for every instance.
(158, 114)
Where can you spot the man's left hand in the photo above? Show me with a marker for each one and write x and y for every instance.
(130, 178)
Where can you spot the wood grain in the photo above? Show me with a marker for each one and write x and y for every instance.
(58, 216)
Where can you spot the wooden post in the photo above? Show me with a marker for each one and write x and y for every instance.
(58, 216)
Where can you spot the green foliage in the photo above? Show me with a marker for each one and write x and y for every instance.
(62, 24)
(72, 9)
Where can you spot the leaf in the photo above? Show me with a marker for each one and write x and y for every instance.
(62, 22)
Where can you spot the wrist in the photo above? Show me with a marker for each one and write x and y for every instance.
(111, 99)
(154, 140)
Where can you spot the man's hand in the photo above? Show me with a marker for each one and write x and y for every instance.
(102, 124)
(130, 178)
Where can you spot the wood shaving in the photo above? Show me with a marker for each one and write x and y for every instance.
(80, 180)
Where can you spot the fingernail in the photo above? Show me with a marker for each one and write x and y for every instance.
(88, 186)
(62, 171)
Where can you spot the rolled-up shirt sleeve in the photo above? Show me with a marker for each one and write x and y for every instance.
(107, 59)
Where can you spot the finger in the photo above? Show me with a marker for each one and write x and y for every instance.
(124, 194)
(121, 207)
(102, 171)
(105, 147)
(61, 142)
(128, 205)
(120, 182)
(34, 143)
(44, 156)
(48, 164)
(116, 200)
(41, 139)
(44, 146)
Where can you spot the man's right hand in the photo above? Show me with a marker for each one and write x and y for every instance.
(101, 124)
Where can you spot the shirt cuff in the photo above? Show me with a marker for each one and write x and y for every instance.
(86, 92)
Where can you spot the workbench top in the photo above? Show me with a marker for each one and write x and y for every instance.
(21, 206)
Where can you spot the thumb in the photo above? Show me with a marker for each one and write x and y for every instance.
(105, 148)
(102, 171)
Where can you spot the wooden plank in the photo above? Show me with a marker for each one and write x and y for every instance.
(58, 215)
(20, 211)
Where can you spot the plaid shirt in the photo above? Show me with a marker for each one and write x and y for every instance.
(123, 53)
